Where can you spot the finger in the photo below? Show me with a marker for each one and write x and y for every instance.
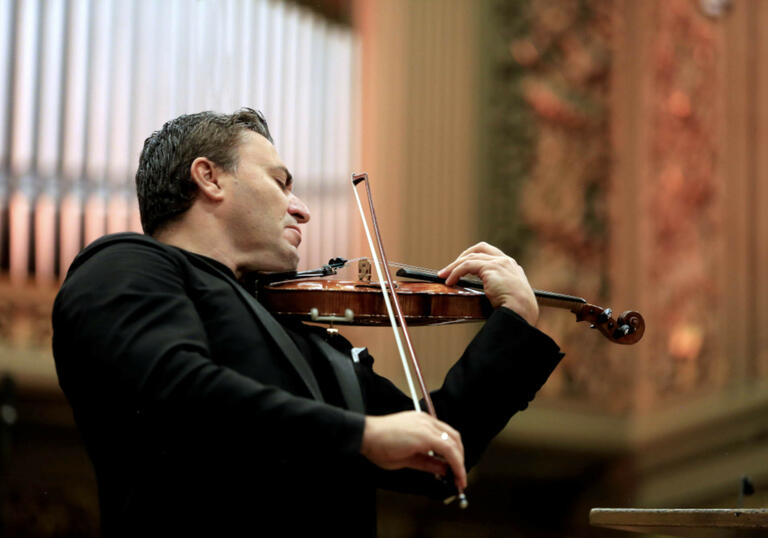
(424, 462)
(445, 442)
(448, 434)
(455, 459)
(480, 256)
(472, 266)
(478, 247)
(484, 265)
(457, 260)
(460, 479)
(434, 433)
(483, 247)
(451, 449)
(445, 446)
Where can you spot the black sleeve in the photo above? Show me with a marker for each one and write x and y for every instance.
(498, 375)
(132, 353)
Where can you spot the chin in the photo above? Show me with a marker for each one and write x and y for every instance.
(283, 264)
(290, 263)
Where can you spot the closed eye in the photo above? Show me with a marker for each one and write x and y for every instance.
(285, 186)
(283, 177)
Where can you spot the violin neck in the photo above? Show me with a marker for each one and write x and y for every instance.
(427, 276)
(558, 300)
(544, 298)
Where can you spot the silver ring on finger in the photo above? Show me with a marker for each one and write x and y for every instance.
(444, 436)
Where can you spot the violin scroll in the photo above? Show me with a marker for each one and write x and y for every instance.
(627, 329)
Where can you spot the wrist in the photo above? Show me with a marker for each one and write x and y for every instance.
(530, 314)
(369, 428)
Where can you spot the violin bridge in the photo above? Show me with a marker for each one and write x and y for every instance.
(364, 275)
(364, 270)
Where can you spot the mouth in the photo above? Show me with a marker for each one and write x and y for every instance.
(296, 234)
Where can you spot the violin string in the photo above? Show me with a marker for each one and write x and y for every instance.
(353, 260)
(398, 264)
(432, 272)
(419, 268)
(401, 265)
(414, 268)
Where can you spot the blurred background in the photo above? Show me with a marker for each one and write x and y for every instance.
(618, 149)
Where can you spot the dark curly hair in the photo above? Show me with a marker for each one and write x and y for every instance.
(163, 184)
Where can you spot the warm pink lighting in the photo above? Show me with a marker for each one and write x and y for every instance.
(45, 239)
(19, 213)
(95, 221)
(117, 214)
(70, 225)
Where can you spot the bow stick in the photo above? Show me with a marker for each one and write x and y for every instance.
(385, 274)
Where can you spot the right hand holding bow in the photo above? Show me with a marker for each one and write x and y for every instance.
(415, 440)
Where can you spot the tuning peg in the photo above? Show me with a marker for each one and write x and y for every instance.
(605, 315)
(624, 330)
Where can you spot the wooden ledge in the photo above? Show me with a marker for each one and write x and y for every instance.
(697, 522)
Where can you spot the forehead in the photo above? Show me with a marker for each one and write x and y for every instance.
(256, 149)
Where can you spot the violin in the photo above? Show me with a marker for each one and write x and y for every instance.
(425, 300)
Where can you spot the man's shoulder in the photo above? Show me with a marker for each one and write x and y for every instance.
(114, 248)
(122, 241)
(131, 256)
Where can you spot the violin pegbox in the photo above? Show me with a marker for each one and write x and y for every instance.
(627, 329)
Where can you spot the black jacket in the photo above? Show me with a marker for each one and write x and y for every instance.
(203, 414)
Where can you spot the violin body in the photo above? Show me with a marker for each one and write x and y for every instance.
(422, 303)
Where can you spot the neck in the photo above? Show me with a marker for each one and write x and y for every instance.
(184, 233)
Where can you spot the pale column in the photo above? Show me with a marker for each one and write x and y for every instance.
(73, 147)
(382, 145)
(419, 104)
(19, 220)
(45, 238)
(22, 130)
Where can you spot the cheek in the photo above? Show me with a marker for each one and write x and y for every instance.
(279, 207)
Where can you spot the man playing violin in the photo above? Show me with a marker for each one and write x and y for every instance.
(202, 412)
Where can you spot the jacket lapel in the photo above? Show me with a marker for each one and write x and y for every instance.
(340, 363)
(345, 373)
(278, 334)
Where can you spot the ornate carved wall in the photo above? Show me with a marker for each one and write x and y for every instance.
(626, 149)
(684, 202)
(549, 171)
(611, 174)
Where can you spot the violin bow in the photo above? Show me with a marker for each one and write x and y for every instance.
(379, 261)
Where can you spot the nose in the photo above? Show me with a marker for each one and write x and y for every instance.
(298, 209)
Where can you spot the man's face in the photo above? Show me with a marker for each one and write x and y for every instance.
(263, 213)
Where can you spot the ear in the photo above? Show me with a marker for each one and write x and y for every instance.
(207, 175)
